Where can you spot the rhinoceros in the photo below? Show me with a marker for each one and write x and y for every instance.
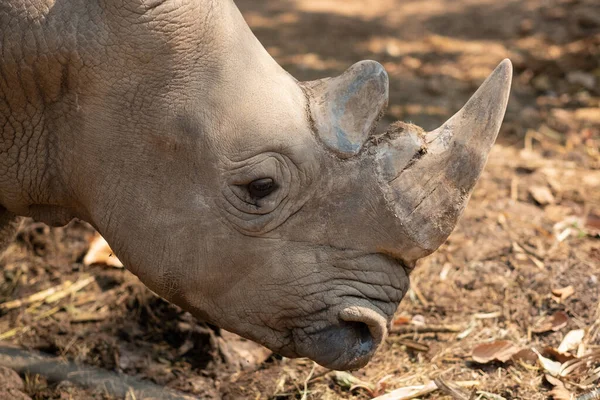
(264, 205)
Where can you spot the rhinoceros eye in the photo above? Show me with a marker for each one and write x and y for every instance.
(261, 187)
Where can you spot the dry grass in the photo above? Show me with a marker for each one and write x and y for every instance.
(529, 237)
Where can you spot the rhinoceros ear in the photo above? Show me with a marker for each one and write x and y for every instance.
(346, 109)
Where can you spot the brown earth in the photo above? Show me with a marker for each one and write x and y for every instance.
(532, 226)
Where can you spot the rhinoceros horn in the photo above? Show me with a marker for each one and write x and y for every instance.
(428, 177)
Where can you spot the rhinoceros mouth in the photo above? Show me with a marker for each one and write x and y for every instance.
(356, 309)
(347, 344)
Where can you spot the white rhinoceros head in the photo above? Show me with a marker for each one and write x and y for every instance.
(263, 205)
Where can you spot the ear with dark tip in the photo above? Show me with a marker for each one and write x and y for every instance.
(346, 109)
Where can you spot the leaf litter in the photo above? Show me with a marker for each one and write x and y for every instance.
(511, 260)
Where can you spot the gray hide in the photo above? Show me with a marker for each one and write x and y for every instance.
(261, 204)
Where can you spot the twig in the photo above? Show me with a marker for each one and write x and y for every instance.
(312, 371)
(573, 366)
(130, 395)
(319, 375)
(427, 329)
(10, 333)
(593, 395)
(449, 390)
(89, 317)
(411, 392)
(415, 288)
(77, 286)
(594, 330)
(490, 396)
(22, 329)
(491, 315)
(411, 344)
(39, 296)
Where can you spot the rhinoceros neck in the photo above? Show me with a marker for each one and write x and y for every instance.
(36, 77)
(81, 84)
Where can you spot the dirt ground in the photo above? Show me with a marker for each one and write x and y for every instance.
(531, 230)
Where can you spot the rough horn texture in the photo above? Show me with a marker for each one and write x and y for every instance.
(431, 176)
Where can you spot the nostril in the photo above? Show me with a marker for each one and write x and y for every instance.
(363, 334)
(368, 324)
(350, 341)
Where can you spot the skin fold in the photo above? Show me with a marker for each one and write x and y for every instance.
(164, 122)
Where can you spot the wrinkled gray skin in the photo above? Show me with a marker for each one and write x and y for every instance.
(150, 118)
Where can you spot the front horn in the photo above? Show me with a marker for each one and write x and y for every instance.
(428, 177)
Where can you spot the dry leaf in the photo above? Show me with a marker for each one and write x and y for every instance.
(563, 293)
(243, 354)
(561, 357)
(402, 320)
(583, 365)
(571, 341)
(554, 322)
(542, 195)
(559, 391)
(500, 350)
(552, 367)
(349, 382)
(100, 253)
(410, 392)
(526, 355)
(381, 386)
(552, 380)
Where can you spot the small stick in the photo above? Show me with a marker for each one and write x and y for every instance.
(77, 286)
(89, 317)
(419, 294)
(427, 329)
(491, 315)
(490, 396)
(13, 332)
(312, 371)
(22, 329)
(449, 390)
(411, 392)
(411, 344)
(39, 296)
(593, 395)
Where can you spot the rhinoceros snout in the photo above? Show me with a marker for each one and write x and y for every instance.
(370, 329)
(350, 343)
